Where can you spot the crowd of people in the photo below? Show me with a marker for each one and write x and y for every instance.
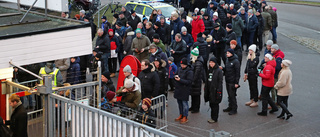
(183, 56)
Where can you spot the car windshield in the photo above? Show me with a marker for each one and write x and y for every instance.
(166, 11)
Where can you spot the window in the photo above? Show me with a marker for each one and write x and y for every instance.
(130, 7)
(148, 11)
(139, 9)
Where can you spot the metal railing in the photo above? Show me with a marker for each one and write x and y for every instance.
(70, 118)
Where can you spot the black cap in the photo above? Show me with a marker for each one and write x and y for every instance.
(184, 61)
(96, 50)
(119, 23)
(98, 55)
(158, 23)
(206, 32)
(214, 59)
(132, 11)
(156, 36)
(205, 14)
(216, 25)
(229, 26)
(183, 17)
(104, 17)
(231, 51)
(106, 74)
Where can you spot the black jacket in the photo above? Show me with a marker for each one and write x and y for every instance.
(107, 87)
(238, 52)
(160, 32)
(167, 33)
(232, 70)
(208, 23)
(198, 72)
(230, 36)
(150, 83)
(189, 41)
(202, 44)
(104, 43)
(18, 122)
(261, 25)
(251, 67)
(219, 35)
(183, 87)
(213, 87)
(134, 22)
(180, 48)
(163, 77)
(150, 32)
(188, 26)
(146, 117)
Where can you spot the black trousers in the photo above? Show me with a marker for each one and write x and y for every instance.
(220, 54)
(258, 40)
(112, 64)
(283, 103)
(214, 111)
(171, 83)
(195, 102)
(266, 99)
(253, 86)
(232, 93)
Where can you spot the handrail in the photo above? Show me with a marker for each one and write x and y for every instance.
(37, 76)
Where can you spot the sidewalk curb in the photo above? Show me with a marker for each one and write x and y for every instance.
(296, 3)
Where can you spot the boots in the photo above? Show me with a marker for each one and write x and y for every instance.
(254, 104)
(179, 118)
(249, 102)
(183, 120)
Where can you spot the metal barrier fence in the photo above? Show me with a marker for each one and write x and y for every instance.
(159, 108)
(70, 118)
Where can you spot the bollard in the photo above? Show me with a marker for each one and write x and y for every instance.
(212, 133)
(222, 134)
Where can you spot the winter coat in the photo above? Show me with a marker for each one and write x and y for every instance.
(267, 21)
(188, 26)
(274, 17)
(105, 87)
(261, 25)
(141, 43)
(198, 72)
(189, 41)
(179, 48)
(160, 31)
(150, 83)
(231, 35)
(222, 14)
(167, 33)
(130, 99)
(121, 31)
(127, 14)
(237, 26)
(160, 45)
(163, 77)
(213, 87)
(232, 70)
(197, 27)
(146, 117)
(278, 56)
(202, 44)
(268, 74)
(238, 52)
(219, 35)
(251, 66)
(114, 46)
(176, 26)
(73, 76)
(149, 33)
(93, 29)
(208, 23)
(172, 70)
(105, 26)
(63, 65)
(127, 43)
(103, 43)
(283, 85)
(133, 22)
(161, 54)
(18, 122)
(123, 21)
(183, 87)
(252, 23)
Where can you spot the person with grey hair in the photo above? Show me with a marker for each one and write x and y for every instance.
(278, 56)
(131, 96)
(252, 24)
(178, 48)
(127, 71)
(103, 45)
(157, 52)
(82, 13)
(189, 41)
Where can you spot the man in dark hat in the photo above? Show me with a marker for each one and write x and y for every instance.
(125, 12)
(208, 22)
(123, 19)
(159, 30)
(232, 76)
(237, 26)
(186, 24)
(105, 25)
(231, 35)
(107, 84)
(219, 34)
(259, 30)
(158, 42)
(89, 19)
(133, 20)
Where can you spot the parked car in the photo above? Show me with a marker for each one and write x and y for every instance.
(146, 7)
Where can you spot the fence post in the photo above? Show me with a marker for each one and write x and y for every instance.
(212, 133)
(45, 90)
(99, 86)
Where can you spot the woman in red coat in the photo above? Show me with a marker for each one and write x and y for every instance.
(197, 26)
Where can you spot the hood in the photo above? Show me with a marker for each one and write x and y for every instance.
(149, 69)
(273, 63)
(200, 39)
(233, 57)
(209, 38)
(159, 51)
(48, 70)
(278, 54)
(200, 59)
(163, 64)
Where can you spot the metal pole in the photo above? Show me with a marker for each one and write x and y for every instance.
(99, 86)
(18, 3)
(212, 133)
(26, 70)
(28, 11)
(46, 7)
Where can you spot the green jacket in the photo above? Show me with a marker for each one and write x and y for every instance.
(160, 45)
(130, 99)
(267, 20)
(237, 25)
(141, 43)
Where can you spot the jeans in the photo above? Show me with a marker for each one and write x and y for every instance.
(183, 107)
(266, 99)
(283, 103)
(232, 96)
(105, 57)
(274, 34)
(239, 41)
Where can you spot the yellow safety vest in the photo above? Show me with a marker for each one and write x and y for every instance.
(54, 73)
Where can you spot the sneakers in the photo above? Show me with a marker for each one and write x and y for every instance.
(249, 102)
(211, 121)
(254, 104)
(262, 113)
(183, 120)
(273, 110)
(228, 109)
(179, 118)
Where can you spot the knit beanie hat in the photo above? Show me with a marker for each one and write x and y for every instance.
(127, 69)
(183, 29)
(250, 11)
(106, 74)
(110, 95)
(158, 23)
(215, 14)
(195, 51)
(229, 26)
(253, 47)
(171, 59)
(156, 36)
(214, 59)
(231, 51)
(275, 46)
(286, 62)
(138, 30)
(234, 42)
(184, 61)
(203, 10)
(199, 35)
(269, 56)
(129, 83)
(269, 42)
(147, 102)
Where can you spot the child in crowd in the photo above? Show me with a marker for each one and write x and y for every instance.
(146, 114)
(172, 72)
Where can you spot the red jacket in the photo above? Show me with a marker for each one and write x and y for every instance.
(268, 74)
(278, 54)
(197, 27)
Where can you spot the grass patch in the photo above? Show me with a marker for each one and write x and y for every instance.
(299, 2)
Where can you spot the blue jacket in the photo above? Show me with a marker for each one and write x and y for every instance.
(189, 41)
(172, 70)
(176, 26)
(183, 87)
(121, 31)
(73, 73)
(252, 24)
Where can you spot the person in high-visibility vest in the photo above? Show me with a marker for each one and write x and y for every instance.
(57, 80)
